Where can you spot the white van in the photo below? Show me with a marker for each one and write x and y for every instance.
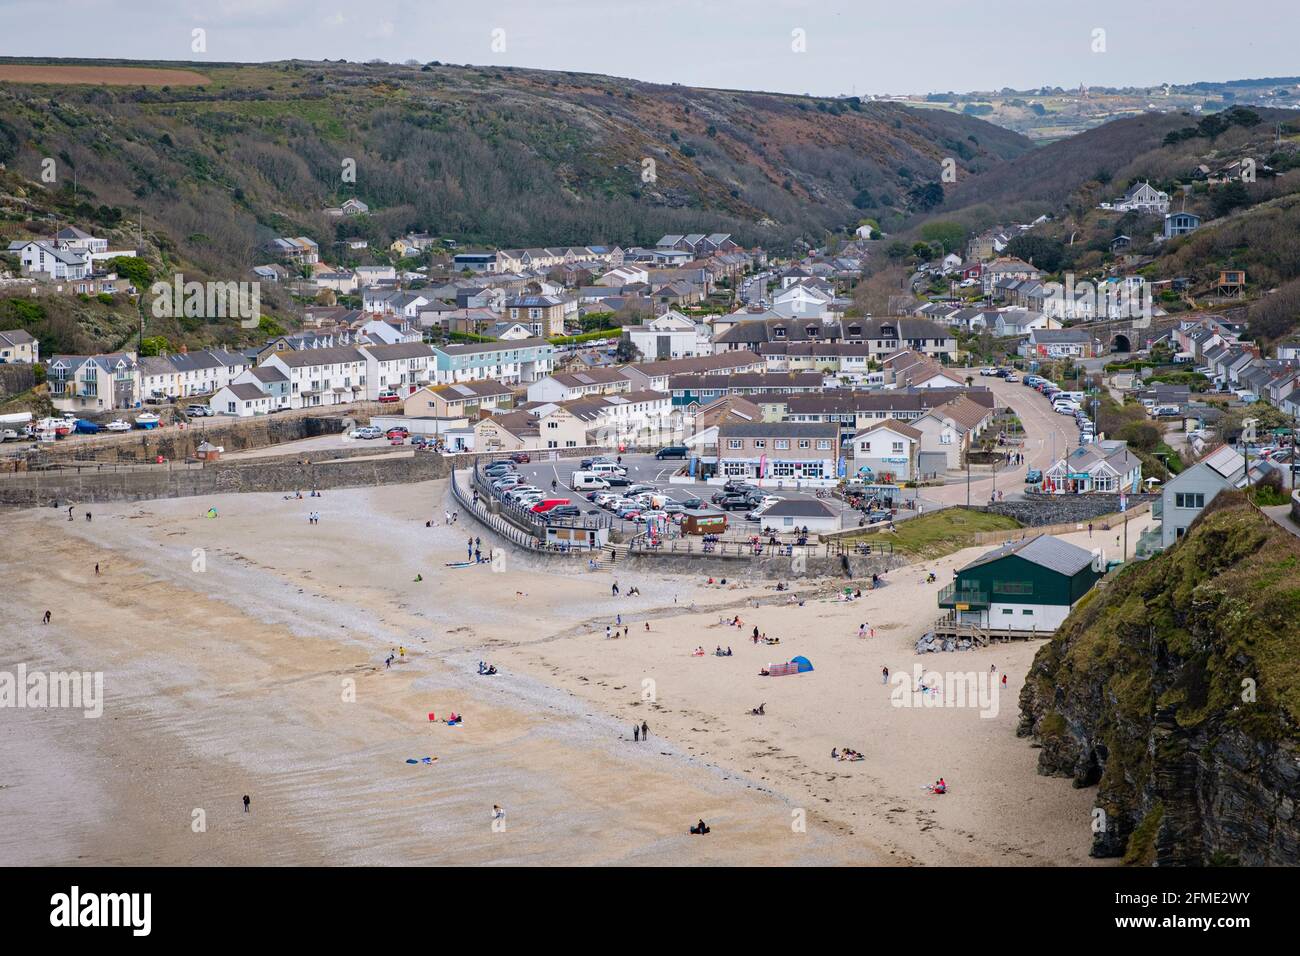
(607, 468)
(588, 481)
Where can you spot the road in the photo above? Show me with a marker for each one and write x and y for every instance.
(1047, 436)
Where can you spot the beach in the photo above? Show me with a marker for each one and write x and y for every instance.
(246, 654)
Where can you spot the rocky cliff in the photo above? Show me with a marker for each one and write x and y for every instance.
(1175, 690)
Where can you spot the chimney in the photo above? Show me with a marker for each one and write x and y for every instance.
(184, 350)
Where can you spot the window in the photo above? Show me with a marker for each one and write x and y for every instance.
(781, 444)
(734, 443)
(1007, 610)
(1189, 500)
(1027, 611)
(897, 448)
(804, 443)
(760, 442)
(1013, 587)
(823, 444)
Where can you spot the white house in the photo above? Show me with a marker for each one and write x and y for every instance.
(887, 450)
(670, 336)
(49, 260)
(401, 367)
(19, 346)
(1142, 197)
(242, 400)
(329, 376)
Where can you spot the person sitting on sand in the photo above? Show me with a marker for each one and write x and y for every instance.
(729, 654)
(419, 578)
(700, 828)
(763, 672)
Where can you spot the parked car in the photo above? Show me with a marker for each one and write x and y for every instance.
(615, 478)
(398, 431)
(692, 503)
(1033, 476)
(388, 398)
(520, 458)
(736, 503)
(199, 411)
(366, 432)
(672, 451)
(586, 463)
(550, 503)
(988, 371)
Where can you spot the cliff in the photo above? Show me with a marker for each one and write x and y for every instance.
(1175, 690)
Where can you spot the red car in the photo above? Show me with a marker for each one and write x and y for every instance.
(386, 398)
(397, 431)
(520, 458)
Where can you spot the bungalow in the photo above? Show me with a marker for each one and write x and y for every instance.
(1180, 224)
(1027, 585)
(243, 401)
(1104, 467)
(792, 514)
(566, 386)
(459, 400)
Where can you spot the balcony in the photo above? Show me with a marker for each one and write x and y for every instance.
(951, 597)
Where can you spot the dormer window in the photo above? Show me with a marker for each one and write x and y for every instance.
(778, 332)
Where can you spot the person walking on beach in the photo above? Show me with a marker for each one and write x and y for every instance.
(862, 632)
(1089, 529)
(645, 730)
(46, 619)
(87, 515)
(636, 733)
(247, 801)
(469, 550)
(884, 675)
(96, 567)
(614, 589)
(607, 632)
(69, 512)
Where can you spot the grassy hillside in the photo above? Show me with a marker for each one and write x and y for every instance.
(481, 155)
(1176, 690)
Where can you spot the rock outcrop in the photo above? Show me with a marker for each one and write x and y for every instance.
(1175, 690)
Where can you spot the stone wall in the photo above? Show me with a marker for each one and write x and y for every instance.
(1038, 510)
(16, 377)
(177, 444)
(280, 474)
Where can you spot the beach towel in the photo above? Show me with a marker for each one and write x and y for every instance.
(421, 759)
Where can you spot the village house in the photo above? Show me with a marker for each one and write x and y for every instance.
(1102, 467)
(566, 386)
(298, 250)
(778, 450)
(328, 376)
(270, 381)
(669, 336)
(18, 346)
(543, 314)
(398, 368)
(459, 400)
(512, 362)
(655, 376)
(242, 400)
(693, 389)
(1185, 496)
(1141, 197)
(1060, 343)
(88, 383)
(523, 431)
(886, 452)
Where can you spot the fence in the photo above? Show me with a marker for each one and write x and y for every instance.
(1065, 527)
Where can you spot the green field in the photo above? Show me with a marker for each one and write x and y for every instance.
(939, 533)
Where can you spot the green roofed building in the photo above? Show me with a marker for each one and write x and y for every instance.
(1028, 585)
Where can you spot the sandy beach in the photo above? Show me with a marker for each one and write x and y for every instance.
(245, 654)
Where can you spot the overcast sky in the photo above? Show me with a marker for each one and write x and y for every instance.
(867, 46)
